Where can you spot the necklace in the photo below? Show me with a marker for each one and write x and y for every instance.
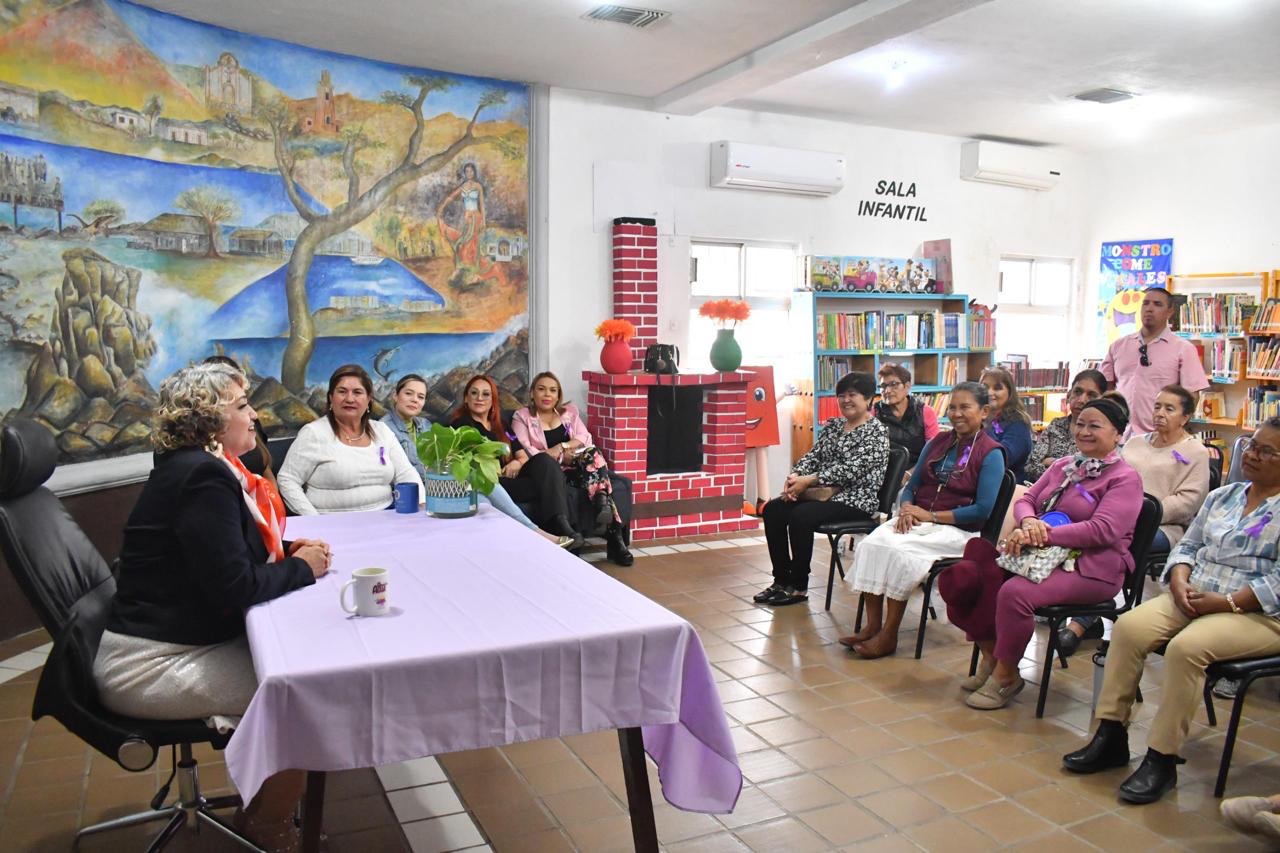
(350, 440)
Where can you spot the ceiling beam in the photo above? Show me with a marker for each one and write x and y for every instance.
(855, 29)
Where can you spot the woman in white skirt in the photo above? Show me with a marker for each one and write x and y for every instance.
(945, 503)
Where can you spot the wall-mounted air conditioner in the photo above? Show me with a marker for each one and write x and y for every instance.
(1011, 165)
(740, 165)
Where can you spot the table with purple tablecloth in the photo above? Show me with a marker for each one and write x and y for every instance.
(496, 636)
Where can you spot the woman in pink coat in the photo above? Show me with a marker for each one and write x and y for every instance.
(1101, 496)
(549, 425)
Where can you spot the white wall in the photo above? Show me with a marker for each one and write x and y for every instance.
(1214, 195)
(665, 169)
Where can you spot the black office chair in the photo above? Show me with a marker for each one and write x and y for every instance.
(70, 587)
(1143, 532)
(835, 530)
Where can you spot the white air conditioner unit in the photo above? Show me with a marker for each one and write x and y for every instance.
(740, 165)
(1010, 165)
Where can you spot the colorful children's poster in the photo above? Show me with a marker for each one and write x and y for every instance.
(824, 273)
(939, 251)
(1128, 267)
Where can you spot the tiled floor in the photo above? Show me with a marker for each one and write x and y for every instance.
(838, 753)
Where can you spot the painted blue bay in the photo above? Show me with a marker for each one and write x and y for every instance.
(261, 311)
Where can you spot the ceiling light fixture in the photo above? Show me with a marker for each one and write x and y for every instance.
(1104, 96)
(630, 15)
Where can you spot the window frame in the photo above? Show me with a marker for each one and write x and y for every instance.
(1070, 311)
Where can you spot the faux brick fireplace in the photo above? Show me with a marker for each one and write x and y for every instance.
(692, 502)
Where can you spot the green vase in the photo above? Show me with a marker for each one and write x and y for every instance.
(726, 355)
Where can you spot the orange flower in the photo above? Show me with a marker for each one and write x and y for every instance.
(616, 330)
(725, 311)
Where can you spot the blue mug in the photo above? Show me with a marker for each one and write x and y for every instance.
(406, 497)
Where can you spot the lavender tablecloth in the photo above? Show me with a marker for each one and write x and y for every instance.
(496, 636)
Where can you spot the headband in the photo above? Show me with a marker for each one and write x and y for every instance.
(1111, 410)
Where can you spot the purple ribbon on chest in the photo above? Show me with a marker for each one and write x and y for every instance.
(382, 456)
(1178, 456)
(997, 428)
(1255, 530)
(1084, 493)
(964, 457)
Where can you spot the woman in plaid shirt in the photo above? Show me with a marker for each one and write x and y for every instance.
(1223, 602)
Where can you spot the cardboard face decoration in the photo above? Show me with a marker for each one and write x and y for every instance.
(762, 408)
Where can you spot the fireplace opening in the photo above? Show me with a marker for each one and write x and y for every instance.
(675, 430)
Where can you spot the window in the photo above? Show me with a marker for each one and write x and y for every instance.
(1035, 309)
(764, 275)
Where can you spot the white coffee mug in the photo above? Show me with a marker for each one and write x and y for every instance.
(370, 597)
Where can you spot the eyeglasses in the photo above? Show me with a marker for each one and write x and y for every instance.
(1266, 454)
(890, 386)
(1143, 358)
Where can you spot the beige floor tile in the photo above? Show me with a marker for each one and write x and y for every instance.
(901, 807)
(766, 764)
(1006, 822)
(1059, 804)
(721, 842)
(610, 835)
(819, 753)
(949, 834)
(956, 792)
(756, 710)
(858, 779)
(1006, 777)
(588, 804)
(787, 835)
(784, 730)
(798, 794)
(753, 807)
(676, 825)
(890, 843)
(556, 776)
(843, 824)
(910, 766)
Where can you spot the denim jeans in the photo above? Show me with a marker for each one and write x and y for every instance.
(502, 502)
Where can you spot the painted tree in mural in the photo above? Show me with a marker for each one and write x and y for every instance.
(358, 206)
(213, 206)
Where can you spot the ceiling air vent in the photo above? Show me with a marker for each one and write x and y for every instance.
(629, 15)
(1104, 96)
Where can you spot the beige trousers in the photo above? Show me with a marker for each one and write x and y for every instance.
(1193, 645)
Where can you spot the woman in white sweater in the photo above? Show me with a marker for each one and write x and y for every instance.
(345, 461)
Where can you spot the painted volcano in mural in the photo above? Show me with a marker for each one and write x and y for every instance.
(339, 289)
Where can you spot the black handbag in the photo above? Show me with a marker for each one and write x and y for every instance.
(662, 358)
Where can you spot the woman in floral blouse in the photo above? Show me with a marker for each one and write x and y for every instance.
(849, 456)
(1055, 441)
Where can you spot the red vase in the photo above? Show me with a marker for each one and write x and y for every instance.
(616, 356)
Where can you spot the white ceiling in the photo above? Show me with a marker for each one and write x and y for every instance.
(1002, 68)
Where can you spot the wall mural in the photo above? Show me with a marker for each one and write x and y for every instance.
(170, 189)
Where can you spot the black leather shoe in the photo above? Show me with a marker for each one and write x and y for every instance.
(786, 596)
(767, 593)
(1068, 642)
(1109, 748)
(1156, 774)
(616, 547)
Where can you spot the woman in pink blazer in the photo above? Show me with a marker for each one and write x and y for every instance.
(1102, 496)
(549, 425)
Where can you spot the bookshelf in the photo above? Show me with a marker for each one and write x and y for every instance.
(1226, 316)
(930, 333)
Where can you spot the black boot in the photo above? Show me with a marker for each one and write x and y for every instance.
(1068, 642)
(616, 546)
(560, 526)
(1156, 774)
(1109, 748)
(603, 507)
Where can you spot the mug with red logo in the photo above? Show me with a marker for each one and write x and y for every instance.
(370, 596)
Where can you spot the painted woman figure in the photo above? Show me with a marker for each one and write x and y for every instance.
(465, 241)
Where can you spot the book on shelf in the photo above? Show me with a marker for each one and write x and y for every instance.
(1034, 404)
(1025, 376)
(938, 402)
(1264, 357)
(1268, 316)
(982, 326)
(1259, 405)
(1213, 405)
(1216, 313)
(1226, 359)
(880, 330)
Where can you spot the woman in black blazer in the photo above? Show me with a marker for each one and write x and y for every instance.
(203, 544)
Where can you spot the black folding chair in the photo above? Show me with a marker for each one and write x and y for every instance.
(1143, 532)
(990, 532)
(1245, 671)
(835, 530)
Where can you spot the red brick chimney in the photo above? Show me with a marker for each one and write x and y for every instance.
(635, 279)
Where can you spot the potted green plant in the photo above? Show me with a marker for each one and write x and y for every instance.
(460, 463)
